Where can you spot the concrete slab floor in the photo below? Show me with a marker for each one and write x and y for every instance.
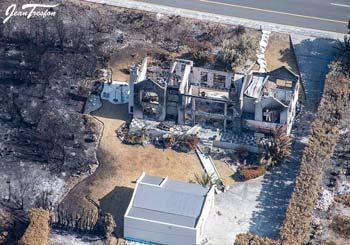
(257, 206)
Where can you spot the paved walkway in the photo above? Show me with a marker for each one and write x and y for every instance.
(313, 57)
(258, 206)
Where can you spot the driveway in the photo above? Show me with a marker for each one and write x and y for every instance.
(258, 206)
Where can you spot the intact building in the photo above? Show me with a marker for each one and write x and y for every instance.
(165, 211)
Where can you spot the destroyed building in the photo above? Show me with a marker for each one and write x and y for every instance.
(189, 95)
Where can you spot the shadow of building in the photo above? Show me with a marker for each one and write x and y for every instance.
(116, 203)
(313, 58)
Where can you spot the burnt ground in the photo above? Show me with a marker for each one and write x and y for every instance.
(331, 218)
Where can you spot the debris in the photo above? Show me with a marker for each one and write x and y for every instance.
(325, 200)
(186, 143)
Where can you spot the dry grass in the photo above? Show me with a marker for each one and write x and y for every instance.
(120, 165)
(280, 53)
(225, 172)
(38, 230)
(130, 161)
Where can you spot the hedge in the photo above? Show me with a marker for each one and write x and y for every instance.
(250, 239)
(316, 156)
(38, 229)
(334, 104)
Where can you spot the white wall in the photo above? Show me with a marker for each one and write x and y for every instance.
(209, 203)
(292, 109)
(143, 70)
(132, 79)
(157, 232)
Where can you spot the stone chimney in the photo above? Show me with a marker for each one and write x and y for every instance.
(132, 80)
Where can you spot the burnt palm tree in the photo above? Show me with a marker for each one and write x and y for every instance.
(343, 51)
(203, 179)
(276, 148)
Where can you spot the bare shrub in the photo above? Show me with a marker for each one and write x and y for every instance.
(250, 239)
(343, 198)
(201, 51)
(109, 225)
(236, 51)
(80, 220)
(186, 143)
(341, 225)
(243, 153)
(203, 179)
(240, 30)
(251, 172)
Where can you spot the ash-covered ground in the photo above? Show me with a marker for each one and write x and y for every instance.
(331, 218)
(44, 136)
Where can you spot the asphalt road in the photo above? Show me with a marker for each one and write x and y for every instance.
(326, 15)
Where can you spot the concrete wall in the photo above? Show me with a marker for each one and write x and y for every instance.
(248, 104)
(149, 86)
(196, 79)
(258, 111)
(161, 233)
(234, 146)
(284, 116)
(260, 127)
(143, 70)
(137, 74)
(209, 203)
(292, 108)
(132, 80)
(270, 103)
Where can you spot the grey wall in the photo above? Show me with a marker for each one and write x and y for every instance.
(248, 104)
(158, 233)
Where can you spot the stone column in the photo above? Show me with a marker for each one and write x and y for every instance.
(228, 80)
(132, 79)
(210, 81)
(193, 111)
(225, 114)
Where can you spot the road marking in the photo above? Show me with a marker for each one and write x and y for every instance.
(273, 11)
(341, 5)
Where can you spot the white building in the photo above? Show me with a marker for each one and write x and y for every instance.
(164, 211)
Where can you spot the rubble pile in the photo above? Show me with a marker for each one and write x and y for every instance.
(325, 200)
(160, 134)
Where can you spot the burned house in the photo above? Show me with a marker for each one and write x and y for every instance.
(191, 95)
(270, 100)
